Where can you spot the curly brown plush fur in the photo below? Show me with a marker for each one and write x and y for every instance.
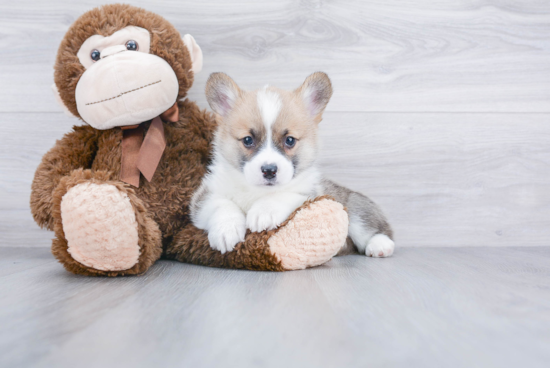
(253, 254)
(87, 155)
(165, 199)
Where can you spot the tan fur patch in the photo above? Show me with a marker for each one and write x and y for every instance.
(244, 120)
(294, 121)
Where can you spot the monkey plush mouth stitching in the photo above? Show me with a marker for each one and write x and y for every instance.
(123, 93)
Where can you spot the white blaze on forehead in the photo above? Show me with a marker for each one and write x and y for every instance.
(269, 104)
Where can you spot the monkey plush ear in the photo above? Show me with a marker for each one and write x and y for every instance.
(316, 92)
(60, 101)
(195, 52)
(221, 93)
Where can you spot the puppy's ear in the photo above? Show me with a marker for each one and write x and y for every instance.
(221, 93)
(195, 52)
(60, 101)
(316, 92)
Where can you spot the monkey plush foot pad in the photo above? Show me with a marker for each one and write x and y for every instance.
(100, 226)
(312, 237)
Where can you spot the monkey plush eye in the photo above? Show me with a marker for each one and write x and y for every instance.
(95, 55)
(290, 141)
(132, 45)
(248, 141)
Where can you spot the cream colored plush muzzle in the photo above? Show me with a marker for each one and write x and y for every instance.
(125, 88)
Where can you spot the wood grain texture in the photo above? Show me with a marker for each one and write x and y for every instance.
(424, 307)
(442, 179)
(382, 55)
(449, 179)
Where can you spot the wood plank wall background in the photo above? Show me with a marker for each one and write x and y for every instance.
(440, 112)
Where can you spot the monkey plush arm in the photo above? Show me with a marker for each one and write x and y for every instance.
(76, 150)
(310, 236)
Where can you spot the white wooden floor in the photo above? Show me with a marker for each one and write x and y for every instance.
(424, 307)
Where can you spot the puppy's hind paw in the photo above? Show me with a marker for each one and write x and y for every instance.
(380, 246)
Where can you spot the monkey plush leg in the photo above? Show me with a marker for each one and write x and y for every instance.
(101, 227)
(311, 236)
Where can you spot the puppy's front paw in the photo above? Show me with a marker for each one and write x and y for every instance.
(380, 246)
(227, 233)
(266, 217)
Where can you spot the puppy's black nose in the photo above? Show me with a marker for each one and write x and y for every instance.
(269, 171)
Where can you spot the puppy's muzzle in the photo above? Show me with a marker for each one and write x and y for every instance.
(269, 171)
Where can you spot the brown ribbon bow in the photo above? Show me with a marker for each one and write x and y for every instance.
(143, 155)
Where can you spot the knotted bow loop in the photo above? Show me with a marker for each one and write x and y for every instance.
(143, 155)
(132, 136)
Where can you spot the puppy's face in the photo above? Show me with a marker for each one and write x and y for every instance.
(270, 135)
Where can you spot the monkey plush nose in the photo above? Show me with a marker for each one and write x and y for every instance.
(112, 50)
(269, 171)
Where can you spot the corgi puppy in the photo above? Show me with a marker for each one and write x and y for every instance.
(264, 166)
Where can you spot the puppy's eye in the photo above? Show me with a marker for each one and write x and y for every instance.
(290, 141)
(248, 141)
(95, 55)
(132, 45)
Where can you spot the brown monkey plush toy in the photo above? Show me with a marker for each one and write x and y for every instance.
(116, 190)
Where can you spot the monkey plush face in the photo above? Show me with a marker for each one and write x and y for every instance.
(119, 65)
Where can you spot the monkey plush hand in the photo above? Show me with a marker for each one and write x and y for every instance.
(116, 190)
